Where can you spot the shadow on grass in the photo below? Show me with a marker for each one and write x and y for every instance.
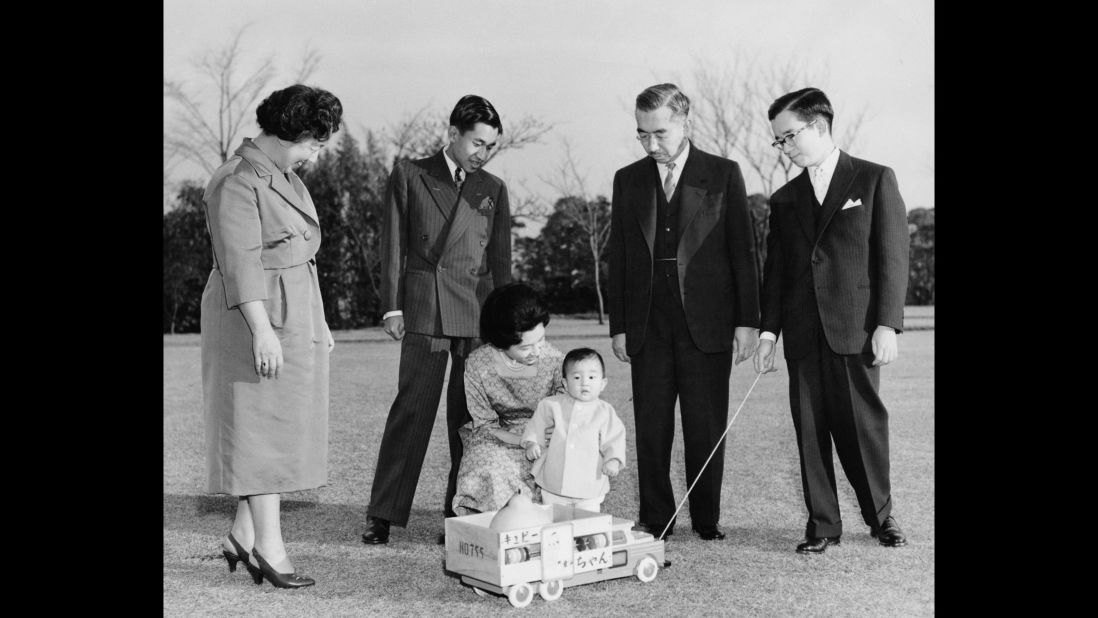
(342, 525)
(302, 520)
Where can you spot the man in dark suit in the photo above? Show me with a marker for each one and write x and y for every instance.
(446, 244)
(834, 284)
(683, 302)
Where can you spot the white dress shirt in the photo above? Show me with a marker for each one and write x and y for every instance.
(827, 168)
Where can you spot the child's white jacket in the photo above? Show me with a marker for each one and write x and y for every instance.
(582, 440)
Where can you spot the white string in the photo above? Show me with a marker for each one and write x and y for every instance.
(714, 452)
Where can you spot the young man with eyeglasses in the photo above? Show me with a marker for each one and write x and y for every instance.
(834, 285)
(683, 303)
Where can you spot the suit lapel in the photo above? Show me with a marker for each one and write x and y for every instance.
(646, 203)
(838, 188)
(694, 185)
(299, 195)
(440, 185)
(277, 181)
(472, 189)
(804, 205)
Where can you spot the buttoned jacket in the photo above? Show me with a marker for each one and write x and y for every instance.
(844, 268)
(438, 262)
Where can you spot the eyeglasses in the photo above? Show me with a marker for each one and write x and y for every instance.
(659, 137)
(787, 140)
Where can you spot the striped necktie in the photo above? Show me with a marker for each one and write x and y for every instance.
(669, 182)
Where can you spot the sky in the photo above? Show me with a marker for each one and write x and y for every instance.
(579, 64)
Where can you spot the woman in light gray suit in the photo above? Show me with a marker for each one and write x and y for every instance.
(265, 342)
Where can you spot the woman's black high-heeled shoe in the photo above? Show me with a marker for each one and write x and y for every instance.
(239, 556)
(278, 580)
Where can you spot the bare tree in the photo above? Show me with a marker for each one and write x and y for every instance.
(310, 62)
(526, 205)
(423, 133)
(419, 134)
(730, 113)
(579, 207)
(206, 137)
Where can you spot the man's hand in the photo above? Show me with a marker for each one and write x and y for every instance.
(617, 343)
(743, 346)
(394, 327)
(885, 348)
(612, 467)
(764, 356)
(533, 450)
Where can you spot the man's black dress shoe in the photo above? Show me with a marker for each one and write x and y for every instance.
(710, 534)
(377, 531)
(889, 534)
(442, 538)
(817, 544)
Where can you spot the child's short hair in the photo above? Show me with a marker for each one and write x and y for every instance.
(578, 354)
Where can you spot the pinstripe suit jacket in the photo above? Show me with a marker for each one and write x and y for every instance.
(438, 276)
(850, 268)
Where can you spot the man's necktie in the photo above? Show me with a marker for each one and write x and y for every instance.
(669, 182)
(459, 177)
(818, 184)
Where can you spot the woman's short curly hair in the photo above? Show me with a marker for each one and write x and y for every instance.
(509, 311)
(300, 112)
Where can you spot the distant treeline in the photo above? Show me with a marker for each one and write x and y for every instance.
(348, 188)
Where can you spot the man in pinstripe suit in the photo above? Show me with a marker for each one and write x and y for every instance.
(446, 244)
(834, 284)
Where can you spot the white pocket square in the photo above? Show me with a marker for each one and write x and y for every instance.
(852, 203)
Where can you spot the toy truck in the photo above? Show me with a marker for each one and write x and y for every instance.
(577, 547)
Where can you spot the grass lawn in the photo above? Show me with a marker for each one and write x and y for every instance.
(753, 572)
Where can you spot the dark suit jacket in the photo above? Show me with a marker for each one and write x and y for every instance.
(440, 282)
(848, 274)
(716, 257)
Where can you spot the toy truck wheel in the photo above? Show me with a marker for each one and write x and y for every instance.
(479, 592)
(551, 590)
(520, 595)
(647, 569)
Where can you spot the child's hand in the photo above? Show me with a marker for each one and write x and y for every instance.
(533, 451)
(612, 467)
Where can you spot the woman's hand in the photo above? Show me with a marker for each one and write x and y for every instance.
(267, 353)
(533, 450)
(331, 341)
(266, 348)
(506, 437)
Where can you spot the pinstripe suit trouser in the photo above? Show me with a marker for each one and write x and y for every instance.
(834, 396)
(412, 416)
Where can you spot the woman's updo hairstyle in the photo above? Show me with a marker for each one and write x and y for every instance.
(300, 112)
(509, 311)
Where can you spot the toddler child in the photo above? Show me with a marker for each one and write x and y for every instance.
(588, 438)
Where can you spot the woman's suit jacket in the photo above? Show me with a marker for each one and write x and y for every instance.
(269, 435)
